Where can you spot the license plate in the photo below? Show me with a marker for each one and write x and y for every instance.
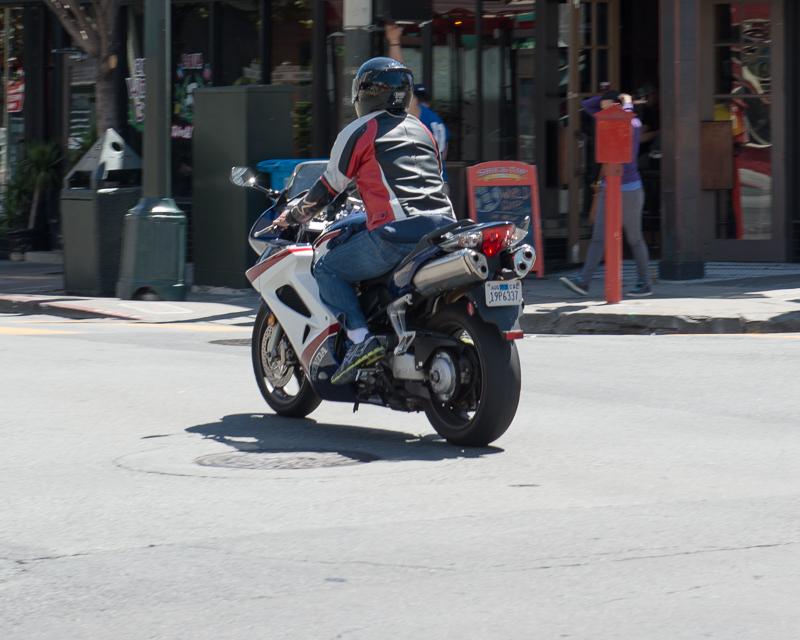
(502, 293)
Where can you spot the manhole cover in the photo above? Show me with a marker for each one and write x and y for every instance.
(233, 342)
(268, 459)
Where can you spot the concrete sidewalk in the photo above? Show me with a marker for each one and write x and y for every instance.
(733, 298)
(33, 288)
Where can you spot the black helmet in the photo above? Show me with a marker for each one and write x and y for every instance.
(382, 83)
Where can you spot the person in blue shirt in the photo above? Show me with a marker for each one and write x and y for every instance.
(434, 122)
(632, 203)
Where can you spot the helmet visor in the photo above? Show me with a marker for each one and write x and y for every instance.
(376, 83)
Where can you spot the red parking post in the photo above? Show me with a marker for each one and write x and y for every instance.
(613, 232)
(613, 149)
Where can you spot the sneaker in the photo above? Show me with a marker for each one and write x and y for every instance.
(357, 357)
(575, 284)
(641, 290)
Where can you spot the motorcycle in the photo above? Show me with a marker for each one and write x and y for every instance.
(448, 313)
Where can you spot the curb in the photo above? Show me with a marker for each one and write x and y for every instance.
(577, 323)
(549, 322)
(60, 309)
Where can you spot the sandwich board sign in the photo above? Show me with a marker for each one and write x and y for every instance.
(507, 190)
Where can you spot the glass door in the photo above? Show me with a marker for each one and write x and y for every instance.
(745, 220)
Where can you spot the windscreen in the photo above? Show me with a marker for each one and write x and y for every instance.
(304, 176)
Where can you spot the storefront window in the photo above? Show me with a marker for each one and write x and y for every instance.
(743, 97)
(12, 131)
(507, 89)
(192, 70)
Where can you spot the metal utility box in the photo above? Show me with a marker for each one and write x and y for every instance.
(97, 194)
(614, 138)
(232, 126)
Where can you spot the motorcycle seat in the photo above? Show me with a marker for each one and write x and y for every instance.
(430, 238)
(379, 281)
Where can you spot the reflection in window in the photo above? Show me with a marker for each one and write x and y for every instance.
(602, 24)
(743, 85)
(585, 67)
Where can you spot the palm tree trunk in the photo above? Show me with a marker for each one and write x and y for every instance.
(106, 116)
(34, 206)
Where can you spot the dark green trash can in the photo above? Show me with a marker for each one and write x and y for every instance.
(97, 194)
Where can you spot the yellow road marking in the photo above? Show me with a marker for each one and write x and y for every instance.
(30, 331)
(84, 324)
(772, 336)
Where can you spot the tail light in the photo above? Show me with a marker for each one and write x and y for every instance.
(495, 239)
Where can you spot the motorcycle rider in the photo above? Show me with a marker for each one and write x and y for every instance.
(395, 164)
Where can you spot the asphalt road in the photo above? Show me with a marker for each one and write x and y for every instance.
(648, 489)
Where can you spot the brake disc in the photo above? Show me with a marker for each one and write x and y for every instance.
(277, 357)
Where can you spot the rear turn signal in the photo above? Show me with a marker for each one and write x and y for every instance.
(495, 239)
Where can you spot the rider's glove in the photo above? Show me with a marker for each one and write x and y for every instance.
(317, 198)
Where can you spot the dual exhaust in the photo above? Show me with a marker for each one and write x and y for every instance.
(465, 267)
(522, 260)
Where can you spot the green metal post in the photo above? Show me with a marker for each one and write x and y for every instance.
(157, 151)
(154, 250)
(357, 48)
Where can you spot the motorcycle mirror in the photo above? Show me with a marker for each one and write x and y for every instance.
(243, 177)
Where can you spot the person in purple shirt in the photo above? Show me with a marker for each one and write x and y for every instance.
(632, 203)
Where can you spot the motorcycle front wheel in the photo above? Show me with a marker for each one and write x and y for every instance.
(279, 376)
(486, 402)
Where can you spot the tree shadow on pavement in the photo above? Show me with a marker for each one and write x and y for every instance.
(259, 432)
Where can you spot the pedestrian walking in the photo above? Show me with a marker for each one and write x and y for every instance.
(632, 204)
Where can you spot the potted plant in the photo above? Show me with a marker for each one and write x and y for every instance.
(41, 165)
(33, 177)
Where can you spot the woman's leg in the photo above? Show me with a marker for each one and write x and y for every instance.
(632, 203)
(597, 246)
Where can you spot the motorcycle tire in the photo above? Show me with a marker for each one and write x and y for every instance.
(498, 382)
(298, 405)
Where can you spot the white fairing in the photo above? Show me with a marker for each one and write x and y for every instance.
(292, 266)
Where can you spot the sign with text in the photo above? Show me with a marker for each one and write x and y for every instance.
(16, 95)
(191, 73)
(507, 190)
(137, 90)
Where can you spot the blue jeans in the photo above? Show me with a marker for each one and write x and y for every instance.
(366, 255)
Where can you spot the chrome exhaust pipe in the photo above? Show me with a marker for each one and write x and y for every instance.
(522, 260)
(451, 272)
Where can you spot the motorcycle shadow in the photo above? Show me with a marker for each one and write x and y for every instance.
(266, 432)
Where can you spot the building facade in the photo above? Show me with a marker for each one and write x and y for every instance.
(715, 83)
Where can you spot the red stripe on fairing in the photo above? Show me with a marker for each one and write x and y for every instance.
(255, 271)
(309, 352)
(327, 236)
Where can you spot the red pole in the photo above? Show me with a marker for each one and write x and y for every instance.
(613, 175)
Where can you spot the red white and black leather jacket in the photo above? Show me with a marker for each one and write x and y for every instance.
(394, 161)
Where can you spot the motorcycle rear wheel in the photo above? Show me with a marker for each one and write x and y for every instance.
(496, 381)
(292, 401)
